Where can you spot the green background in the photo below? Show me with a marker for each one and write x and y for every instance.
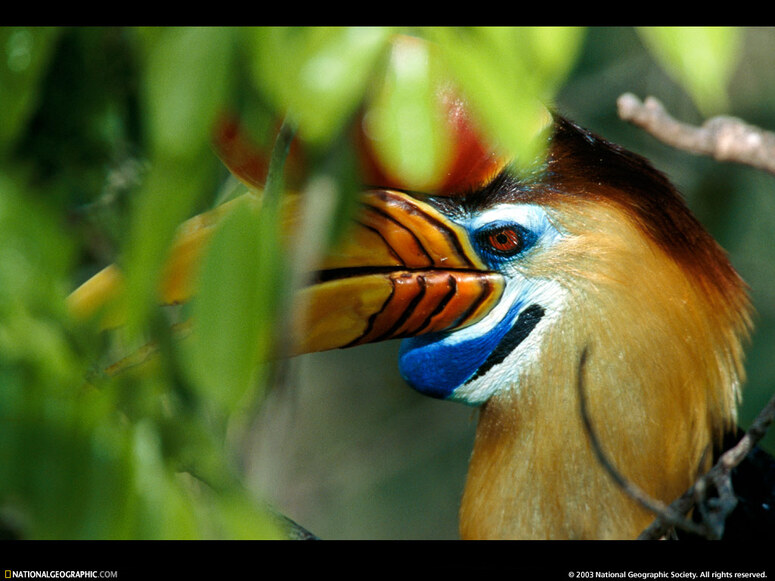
(96, 122)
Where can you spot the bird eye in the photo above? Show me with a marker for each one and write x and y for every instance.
(505, 240)
(500, 241)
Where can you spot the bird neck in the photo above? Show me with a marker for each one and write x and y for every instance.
(534, 475)
(660, 381)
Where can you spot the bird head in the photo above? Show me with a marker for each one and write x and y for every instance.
(594, 253)
(596, 249)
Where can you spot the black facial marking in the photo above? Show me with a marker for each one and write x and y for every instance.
(524, 325)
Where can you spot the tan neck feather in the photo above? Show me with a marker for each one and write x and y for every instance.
(662, 380)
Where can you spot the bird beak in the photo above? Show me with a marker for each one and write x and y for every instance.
(403, 269)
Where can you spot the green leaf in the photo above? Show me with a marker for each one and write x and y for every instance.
(318, 75)
(339, 169)
(232, 515)
(164, 510)
(187, 80)
(24, 56)
(229, 310)
(405, 118)
(701, 59)
(242, 286)
(508, 75)
(551, 52)
(168, 196)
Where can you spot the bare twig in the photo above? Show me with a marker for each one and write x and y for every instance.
(719, 475)
(665, 513)
(714, 511)
(723, 138)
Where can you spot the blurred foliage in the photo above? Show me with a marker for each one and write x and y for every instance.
(105, 148)
(701, 59)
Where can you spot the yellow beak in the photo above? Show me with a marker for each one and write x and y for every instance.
(403, 270)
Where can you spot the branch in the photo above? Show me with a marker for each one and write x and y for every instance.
(719, 476)
(292, 530)
(665, 513)
(723, 138)
(714, 511)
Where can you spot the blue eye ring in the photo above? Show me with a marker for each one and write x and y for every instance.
(504, 240)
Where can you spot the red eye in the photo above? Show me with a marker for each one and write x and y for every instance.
(505, 240)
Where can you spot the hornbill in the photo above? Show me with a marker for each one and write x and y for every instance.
(500, 284)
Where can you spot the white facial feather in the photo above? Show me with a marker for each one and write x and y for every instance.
(519, 290)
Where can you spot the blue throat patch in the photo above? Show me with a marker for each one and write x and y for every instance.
(438, 363)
